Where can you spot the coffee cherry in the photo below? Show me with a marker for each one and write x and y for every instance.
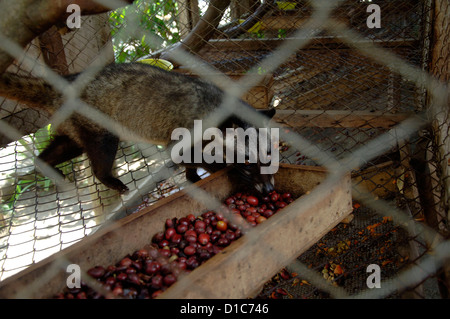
(203, 239)
(181, 265)
(251, 219)
(221, 225)
(230, 235)
(141, 254)
(286, 195)
(96, 272)
(274, 197)
(190, 233)
(170, 223)
(189, 250)
(260, 219)
(122, 276)
(181, 228)
(163, 243)
(170, 232)
(252, 200)
(165, 252)
(125, 262)
(229, 200)
(130, 270)
(203, 254)
(280, 204)
(157, 281)
(152, 267)
(110, 281)
(158, 237)
(268, 213)
(223, 242)
(199, 224)
(207, 214)
(191, 238)
(192, 262)
(134, 279)
(176, 238)
(169, 280)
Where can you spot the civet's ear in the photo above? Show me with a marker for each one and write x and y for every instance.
(269, 112)
(268, 115)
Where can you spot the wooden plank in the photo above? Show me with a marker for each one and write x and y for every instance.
(314, 43)
(288, 22)
(109, 245)
(338, 118)
(283, 22)
(342, 88)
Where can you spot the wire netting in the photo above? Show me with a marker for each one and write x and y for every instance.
(369, 101)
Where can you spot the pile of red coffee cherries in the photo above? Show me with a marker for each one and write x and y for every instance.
(183, 245)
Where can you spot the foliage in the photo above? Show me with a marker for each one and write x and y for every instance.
(39, 140)
(141, 28)
(21, 187)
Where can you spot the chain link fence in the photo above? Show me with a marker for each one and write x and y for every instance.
(372, 102)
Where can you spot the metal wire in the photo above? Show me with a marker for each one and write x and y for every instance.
(321, 58)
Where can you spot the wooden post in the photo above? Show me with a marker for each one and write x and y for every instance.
(440, 68)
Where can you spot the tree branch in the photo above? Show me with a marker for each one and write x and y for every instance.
(262, 10)
(23, 20)
(204, 29)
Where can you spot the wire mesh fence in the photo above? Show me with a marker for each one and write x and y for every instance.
(349, 96)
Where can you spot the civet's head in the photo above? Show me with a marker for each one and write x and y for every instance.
(256, 156)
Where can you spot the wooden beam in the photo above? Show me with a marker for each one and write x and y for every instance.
(287, 22)
(327, 42)
(338, 118)
(332, 91)
(282, 22)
